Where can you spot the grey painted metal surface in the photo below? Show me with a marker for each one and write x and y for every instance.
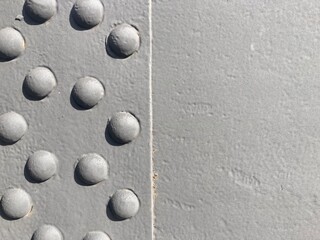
(64, 85)
(235, 114)
(236, 119)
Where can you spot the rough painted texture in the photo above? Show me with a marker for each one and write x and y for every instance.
(236, 119)
(56, 125)
(12, 44)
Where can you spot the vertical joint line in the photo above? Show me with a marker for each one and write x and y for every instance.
(151, 125)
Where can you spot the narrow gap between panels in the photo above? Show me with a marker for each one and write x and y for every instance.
(152, 170)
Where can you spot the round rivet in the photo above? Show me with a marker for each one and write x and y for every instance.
(87, 92)
(47, 232)
(96, 235)
(41, 10)
(39, 83)
(12, 44)
(12, 127)
(42, 165)
(88, 13)
(123, 127)
(16, 203)
(124, 203)
(123, 40)
(92, 168)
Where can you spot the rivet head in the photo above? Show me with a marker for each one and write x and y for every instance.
(123, 127)
(42, 165)
(92, 168)
(123, 40)
(87, 92)
(16, 203)
(39, 83)
(12, 44)
(13, 127)
(47, 232)
(124, 203)
(41, 10)
(88, 13)
(96, 235)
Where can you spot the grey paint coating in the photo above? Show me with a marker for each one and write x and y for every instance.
(123, 40)
(124, 204)
(40, 10)
(92, 168)
(88, 13)
(39, 83)
(13, 127)
(96, 235)
(236, 119)
(12, 43)
(57, 125)
(87, 92)
(42, 165)
(16, 203)
(47, 232)
(123, 127)
(235, 108)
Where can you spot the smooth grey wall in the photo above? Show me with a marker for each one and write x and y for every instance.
(236, 119)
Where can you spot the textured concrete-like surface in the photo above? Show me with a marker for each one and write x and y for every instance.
(236, 119)
(56, 124)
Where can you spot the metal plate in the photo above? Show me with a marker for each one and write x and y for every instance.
(58, 125)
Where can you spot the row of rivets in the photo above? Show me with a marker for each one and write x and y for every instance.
(123, 41)
(91, 168)
(50, 232)
(41, 81)
(123, 127)
(17, 203)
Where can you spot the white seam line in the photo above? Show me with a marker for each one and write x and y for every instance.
(151, 122)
